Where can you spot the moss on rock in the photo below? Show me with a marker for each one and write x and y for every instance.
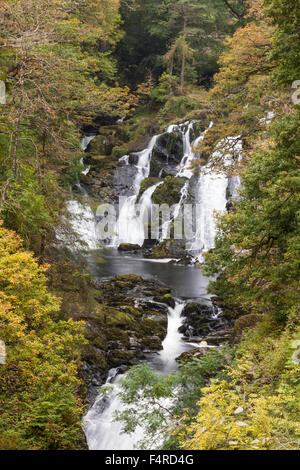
(129, 247)
(129, 278)
(147, 183)
(152, 327)
(169, 192)
(242, 324)
(169, 248)
(166, 299)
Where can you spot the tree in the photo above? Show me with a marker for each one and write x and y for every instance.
(165, 398)
(285, 16)
(54, 86)
(39, 385)
(202, 25)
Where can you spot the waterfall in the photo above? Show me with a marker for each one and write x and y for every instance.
(102, 432)
(211, 199)
(130, 226)
(184, 171)
(82, 221)
(84, 144)
(132, 222)
(211, 194)
(80, 216)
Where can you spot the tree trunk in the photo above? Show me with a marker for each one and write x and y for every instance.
(171, 76)
(183, 54)
(182, 72)
(14, 166)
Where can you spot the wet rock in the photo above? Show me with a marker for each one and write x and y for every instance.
(167, 154)
(128, 247)
(195, 353)
(198, 320)
(242, 324)
(174, 249)
(126, 324)
(166, 299)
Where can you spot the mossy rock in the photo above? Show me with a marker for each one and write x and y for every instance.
(152, 327)
(117, 334)
(140, 144)
(119, 356)
(129, 278)
(193, 354)
(169, 192)
(119, 151)
(152, 343)
(175, 145)
(166, 299)
(147, 183)
(242, 324)
(169, 248)
(164, 290)
(129, 247)
(114, 317)
(109, 137)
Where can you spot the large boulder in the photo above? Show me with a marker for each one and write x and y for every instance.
(175, 249)
(129, 247)
(167, 154)
(242, 324)
(169, 192)
(197, 319)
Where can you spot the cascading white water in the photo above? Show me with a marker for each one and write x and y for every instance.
(211, 195)
(80, 216)
(130, 226)
(211, 199)
(83, 224)
(84, 144)
(132, 222)
(184, 171)
(102, 432)
(86, 140)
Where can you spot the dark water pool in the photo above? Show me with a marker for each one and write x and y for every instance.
(187, 282)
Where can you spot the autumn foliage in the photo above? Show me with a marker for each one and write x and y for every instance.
(40, 408)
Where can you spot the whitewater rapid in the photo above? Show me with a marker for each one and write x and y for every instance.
(102, 432)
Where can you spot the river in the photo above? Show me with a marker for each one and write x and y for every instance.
(186, 281)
